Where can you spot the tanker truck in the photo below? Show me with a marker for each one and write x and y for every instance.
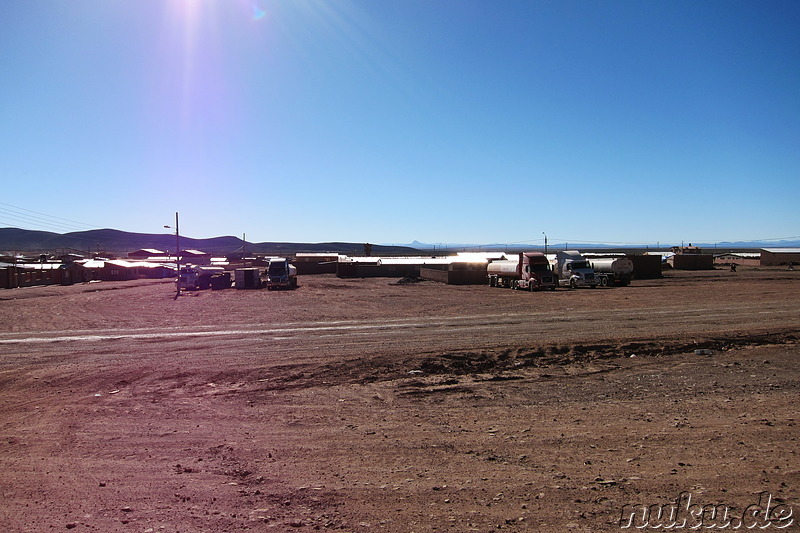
(612, 270)
(530, 271)
(573, 270)
(281, 274)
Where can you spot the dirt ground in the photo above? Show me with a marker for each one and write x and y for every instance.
(367, 405)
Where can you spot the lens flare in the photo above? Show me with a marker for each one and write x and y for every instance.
(258, 13)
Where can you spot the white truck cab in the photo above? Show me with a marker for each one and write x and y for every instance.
(574, 271)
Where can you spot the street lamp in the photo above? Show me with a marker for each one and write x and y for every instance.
(177, 256)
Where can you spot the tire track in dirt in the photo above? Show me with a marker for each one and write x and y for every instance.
(286, 331)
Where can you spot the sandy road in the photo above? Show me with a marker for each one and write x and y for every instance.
(434, 333)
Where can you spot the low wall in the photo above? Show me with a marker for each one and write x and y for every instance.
(646, 266)
(691, 262)
(356, 270)
(454, 277)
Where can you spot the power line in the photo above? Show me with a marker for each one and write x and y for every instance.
(9, 224)
(582, 241)
(39, 219)
(778, 238)
(35, 220)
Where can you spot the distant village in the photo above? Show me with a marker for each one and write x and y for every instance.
(19, 270)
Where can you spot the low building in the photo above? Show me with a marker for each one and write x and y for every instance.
(740, 259)
(195, 257)
(73, 272)
(121, 270)
(376, 267)
(30, 274)
(466, 267)
(145, 253)
(646, 266)
(68, 273)
(690, 258)
(456, 273)
(780, 256)
(686, 249)
(316, 263)
(691, 262)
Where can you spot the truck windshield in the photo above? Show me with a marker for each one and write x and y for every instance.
(277, 268)
(579, 264)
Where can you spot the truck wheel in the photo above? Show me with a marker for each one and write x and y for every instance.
(604, 281)
(573, 284)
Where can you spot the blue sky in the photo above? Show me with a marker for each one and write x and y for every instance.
(388, 121)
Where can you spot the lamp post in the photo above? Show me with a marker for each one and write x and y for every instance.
(177, 256)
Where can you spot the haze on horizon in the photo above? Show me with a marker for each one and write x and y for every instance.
(388, 122)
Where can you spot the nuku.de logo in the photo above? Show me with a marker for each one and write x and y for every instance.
(682, 513)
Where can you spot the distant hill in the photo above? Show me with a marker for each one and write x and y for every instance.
(116, 242)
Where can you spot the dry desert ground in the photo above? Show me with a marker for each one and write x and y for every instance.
(367, 405)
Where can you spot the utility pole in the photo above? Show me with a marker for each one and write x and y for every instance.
(177, 256)
(545, 243)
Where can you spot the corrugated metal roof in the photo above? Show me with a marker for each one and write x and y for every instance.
(39, 266)
(151, 251)
(782, 250)
(132, 264)
(122, 263)
(159, 259)
(414, 261)
(477, 257)
(738, 254)
(424, 260)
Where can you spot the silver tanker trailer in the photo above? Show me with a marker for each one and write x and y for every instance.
(612, 270)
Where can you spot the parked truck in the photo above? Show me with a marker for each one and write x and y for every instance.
(573, 270)
(612, 271)
(194, 277)
(281, 274)
(530, 271)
